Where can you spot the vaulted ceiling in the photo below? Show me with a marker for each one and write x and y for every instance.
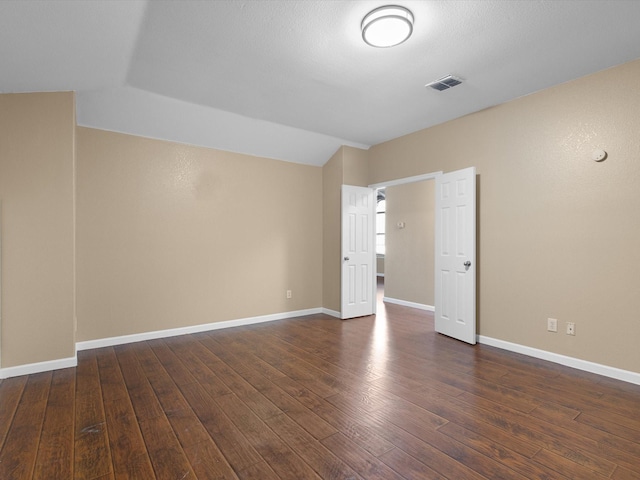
(293, 80)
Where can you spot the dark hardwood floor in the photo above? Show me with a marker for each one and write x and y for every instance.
(375, 397)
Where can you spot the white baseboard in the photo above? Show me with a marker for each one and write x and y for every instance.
(139, 337)
(31, 368)
(174, 332)
(333, 313)
(28, 369)
(404, 303)
(611, 372)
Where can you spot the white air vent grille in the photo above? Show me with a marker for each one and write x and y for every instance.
(445, 83)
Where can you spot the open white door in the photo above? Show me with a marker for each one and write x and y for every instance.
(455, 256)
(358, 252)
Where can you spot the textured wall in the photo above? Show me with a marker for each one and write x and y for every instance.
(332, 174)
(36, 191)
(409, 260)
(170, 235)
(557, 232)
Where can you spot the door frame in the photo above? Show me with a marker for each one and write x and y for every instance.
(402, 181)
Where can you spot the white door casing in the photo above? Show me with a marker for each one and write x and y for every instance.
(358, 252)
(455, 256)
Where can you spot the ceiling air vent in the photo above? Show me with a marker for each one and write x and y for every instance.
(444, 83)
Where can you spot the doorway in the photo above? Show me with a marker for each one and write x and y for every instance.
(455, 250)
(408, 252)
(408, 256)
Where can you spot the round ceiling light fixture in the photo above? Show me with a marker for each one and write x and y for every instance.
(387, 26)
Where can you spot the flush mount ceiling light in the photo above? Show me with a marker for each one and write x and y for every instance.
(387, 26)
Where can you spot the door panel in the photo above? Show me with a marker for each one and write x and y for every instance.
(455, 259)
(358, 251)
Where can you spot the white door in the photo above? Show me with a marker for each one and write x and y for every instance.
(455, 256)
(358, 251)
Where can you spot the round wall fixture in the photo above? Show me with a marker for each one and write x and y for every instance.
(598, 155)
(387, 26)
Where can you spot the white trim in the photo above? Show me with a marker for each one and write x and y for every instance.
(404, 303)
(402, 181)
(380, 274)
(31, 368)
(333, 313)
(174, 332)
(611, 372)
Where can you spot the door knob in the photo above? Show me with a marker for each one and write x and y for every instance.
(346, 259)
(467, 263)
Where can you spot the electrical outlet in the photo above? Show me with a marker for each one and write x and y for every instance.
(571, 328)
(288, 293)
(552, 325)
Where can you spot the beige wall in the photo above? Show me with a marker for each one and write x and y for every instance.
(380, 265)
(348, 166)
(170, 235)
(332, 173)
(356, 166)
(558, 232)
(409, 259)
(36, 192)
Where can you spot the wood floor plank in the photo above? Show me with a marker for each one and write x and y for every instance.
(491, 449)
(343, 375)
(602, 411)
(172, 364)
(10, 393)
(18, 456)
(209, 463)
(360, 460)
(612, 447)
(453, 410)
(92, 455)
(317, 343)
(427, 454)
(111, 382)
(622, 473)
(566, 467)
(128, 450)
(143, 398)
(313, 378)
(201, 364)
(302, 415)
(260, 404)
(187, 427)
(167, 456)
(613, 428)
(55, 451)
(236, 449)
(409, 467)
(552, 412)
(260, 471)
(345, 423)
(271, 448)
(314, 453)
(581, 450)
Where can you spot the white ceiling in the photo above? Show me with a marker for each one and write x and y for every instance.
(293, 80)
